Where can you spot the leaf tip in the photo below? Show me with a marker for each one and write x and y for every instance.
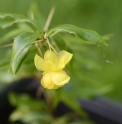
(105, 43)
(14, 70)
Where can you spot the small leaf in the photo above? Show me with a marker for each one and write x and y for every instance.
(60, 42)
(34, 8)
(10, 35)
(87, 35)
(15, 16)
(17, 19)
(20, 49)
(20, 100)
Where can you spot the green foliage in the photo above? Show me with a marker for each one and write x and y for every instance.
(37, 15)
(26, 101)
(87, 35)
(17, 19)
(23, 42)
(21, 47)
(90, 75)
(60, 42)
(32, 111)
(28, 109)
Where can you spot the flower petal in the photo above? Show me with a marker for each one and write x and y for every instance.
(47, 81)
(50, 55)
(60, 78)
(49, 66)
(55, 86)
(42, 65)
(64, 57)
(44, 85)
(39, 63)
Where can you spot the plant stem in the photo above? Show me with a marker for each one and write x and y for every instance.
(40, 52)
(50, 46)
(7, 45)
(36, 41)
(49, 19)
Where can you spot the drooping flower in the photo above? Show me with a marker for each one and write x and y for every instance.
(52, 66)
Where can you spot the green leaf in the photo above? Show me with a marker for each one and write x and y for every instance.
(34, 8)
(21, 100)
(20, 49)
(37, 118)
(10, 35)
(60, 42)
(17, 19)
(87, 35)
(15, 16)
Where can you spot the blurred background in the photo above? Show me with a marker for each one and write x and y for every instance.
(91, 75)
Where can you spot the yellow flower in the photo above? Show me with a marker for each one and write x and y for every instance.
(52, 65)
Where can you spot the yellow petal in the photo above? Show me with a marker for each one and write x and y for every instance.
(50, 55)
(57, 86)
(39, 63)
(64, 57)
(60, 78)
(49, 84)
(47, 81)
(42, 65)
(49, 66)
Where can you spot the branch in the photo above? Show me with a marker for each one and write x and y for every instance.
(49, 18)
